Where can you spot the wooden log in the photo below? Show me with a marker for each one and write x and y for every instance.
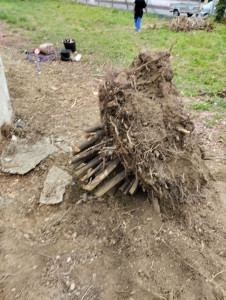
(87, 166)
(156, 205)
(89, 142)
(94, 128)
(92, 172)
(88, 152)
(106, 162)
(97, 180)
(111, 183)
(95, 171)
(183, 130)
(129, 186)
(99, 146)
(134, 187)
(123, 186)
(83, 156)
(78, 164)
(114, 189)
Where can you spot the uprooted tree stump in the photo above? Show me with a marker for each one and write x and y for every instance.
(146, 138)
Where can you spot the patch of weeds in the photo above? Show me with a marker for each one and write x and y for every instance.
(211, 122)
(202, 106)
(115, 11)
(221, 138)
(11, 20)
(213, 104)
(3, 15)
(23, 19)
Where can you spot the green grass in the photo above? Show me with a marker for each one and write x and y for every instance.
(211, 121)
(107, 35)
(212, 104)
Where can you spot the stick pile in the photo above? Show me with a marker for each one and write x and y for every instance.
(98, 165)
(187, 24)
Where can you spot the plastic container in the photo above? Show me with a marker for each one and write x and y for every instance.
(65, 54)
(70, 44)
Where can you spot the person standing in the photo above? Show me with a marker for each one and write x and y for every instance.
(138, 7)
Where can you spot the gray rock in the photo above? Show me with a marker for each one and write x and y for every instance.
(19, 157)
(64, 147)
(54, 186)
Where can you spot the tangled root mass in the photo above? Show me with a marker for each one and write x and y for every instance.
(144, 115)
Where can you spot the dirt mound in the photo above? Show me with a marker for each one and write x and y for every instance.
(186, 24)
(143, 113)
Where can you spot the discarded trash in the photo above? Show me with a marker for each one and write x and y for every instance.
(78, 57)
(37, 51)
(19, 157)
(18, 124)
(65, 54)
(46, 48)
(14, 138)
(54, 186)
(37, 58)
(69, 44)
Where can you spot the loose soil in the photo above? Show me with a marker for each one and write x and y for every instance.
(99, 248)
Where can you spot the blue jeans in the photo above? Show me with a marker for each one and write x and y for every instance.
(137, 21)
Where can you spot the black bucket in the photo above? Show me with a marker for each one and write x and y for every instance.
(70, 45)
(65, 54)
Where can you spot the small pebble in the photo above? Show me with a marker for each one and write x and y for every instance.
(74, 235)
(72, 287)
(14, 138)
(68, 259)
(26, 236)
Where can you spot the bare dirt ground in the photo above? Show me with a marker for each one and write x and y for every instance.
(107, 248)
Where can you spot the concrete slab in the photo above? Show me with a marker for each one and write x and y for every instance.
(21, 156)
(54, 186)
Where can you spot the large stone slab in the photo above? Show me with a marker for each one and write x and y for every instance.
(5, 106)
(21, 156)
(54, 186)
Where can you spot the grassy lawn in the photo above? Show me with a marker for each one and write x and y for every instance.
(104, 35)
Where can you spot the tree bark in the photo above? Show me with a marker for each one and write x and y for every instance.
(87, 166)
(93, 128)
(112, 165)
(89, 142)
(115, 180)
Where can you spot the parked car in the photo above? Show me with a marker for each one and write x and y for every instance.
(208, 9)
(188, 8)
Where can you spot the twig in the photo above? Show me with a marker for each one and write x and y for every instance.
(86, 292)
(217, 275)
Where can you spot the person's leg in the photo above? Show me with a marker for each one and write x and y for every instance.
(138, 23)
(135, 21)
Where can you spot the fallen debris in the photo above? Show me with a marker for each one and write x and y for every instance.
(54, 187)
(148, 139)
(21, 156)
(187, 24)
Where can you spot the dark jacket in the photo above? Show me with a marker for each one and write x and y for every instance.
(139, 6)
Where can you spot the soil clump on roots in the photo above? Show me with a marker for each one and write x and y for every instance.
(144, 115)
